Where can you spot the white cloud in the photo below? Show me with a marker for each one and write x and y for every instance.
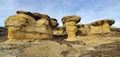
(108, 10)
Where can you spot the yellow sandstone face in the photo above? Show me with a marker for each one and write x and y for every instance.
(72, 18)
(61, 30)
(83, 28)
(98, 27)
(27, 25)
(22, 26)
(53, 23)
(71, 30)
(101, 27)
(104, 29)
(15, 34)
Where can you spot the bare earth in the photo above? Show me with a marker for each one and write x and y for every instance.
(86, 46)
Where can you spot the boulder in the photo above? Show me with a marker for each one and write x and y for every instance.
(53, 22)
(71, 28)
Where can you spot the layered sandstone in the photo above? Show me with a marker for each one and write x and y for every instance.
(83, 29)
(35, 26)
(60, 30)
(70, 23)
(97, 27)
(27, 25)
(101, 26)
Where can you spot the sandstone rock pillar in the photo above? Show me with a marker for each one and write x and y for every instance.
(71, 28)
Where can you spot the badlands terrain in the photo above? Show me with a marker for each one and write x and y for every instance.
(30, 34)
(87, 46)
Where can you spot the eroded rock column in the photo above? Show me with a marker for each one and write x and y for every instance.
(70, 23)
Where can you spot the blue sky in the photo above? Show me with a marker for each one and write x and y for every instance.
(88, 10)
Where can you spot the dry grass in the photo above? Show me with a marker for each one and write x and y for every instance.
(3, 34)
(3, 38)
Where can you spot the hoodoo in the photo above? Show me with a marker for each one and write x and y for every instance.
(71, 28)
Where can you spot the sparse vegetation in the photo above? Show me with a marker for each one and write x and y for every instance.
(3, 34)
(115, 29)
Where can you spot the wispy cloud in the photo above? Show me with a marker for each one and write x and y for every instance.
(89, 10)
(6, 8)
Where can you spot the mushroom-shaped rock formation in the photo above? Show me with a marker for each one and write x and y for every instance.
(73, 18)
(101, 26)
(70, 23)
(24, 26)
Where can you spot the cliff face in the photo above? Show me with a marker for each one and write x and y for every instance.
(27, 25)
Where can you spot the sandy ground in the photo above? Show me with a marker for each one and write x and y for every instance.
(86, 46)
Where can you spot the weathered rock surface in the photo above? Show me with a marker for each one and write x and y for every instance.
(53, 22)
(36, 26)
(73, 18)
(97, 27)
(38, 49)
(60, 30)
(101, 26)
(27, 31)
(70, 23)
(35, 15)
(27, 25)
(87, 47)
(83, 29)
